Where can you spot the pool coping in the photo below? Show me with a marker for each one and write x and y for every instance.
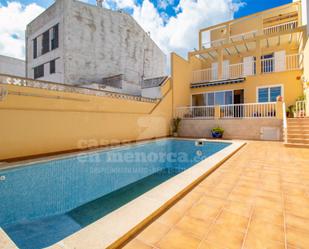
(116, 228)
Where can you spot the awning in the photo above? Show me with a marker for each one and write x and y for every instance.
(218, 82)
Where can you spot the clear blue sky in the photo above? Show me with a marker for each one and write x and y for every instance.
(252, 6)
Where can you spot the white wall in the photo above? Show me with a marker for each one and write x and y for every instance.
(12, 66)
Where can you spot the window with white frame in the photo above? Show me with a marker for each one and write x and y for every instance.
(269, 94)
(213, 98)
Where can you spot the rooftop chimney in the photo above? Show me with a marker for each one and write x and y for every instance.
(100, 3)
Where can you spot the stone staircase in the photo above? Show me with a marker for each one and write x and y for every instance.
(298, 132)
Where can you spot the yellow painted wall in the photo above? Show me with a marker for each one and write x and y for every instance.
(39, 124)
(181, 71)
(292, 86)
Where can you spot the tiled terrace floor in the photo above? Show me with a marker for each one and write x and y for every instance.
(257, 199)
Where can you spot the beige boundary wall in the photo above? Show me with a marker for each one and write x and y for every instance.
(247, 128)
(38, 121)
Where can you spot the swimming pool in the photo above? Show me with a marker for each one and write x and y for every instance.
(44, 202)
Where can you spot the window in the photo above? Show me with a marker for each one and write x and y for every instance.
(52, 66)
(213, 98)
(45, 42)
(55, 37)
(35, 48)
(269, 94)
(38, 71)
(267, 63)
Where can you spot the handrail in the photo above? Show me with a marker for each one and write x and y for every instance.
(285, 124)
(280, 27)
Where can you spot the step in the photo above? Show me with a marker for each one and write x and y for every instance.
(297, 135)
(302, 126)
(296, 145)
(298, 140)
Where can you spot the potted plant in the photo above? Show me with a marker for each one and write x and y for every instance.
(217, 132)
(175, 126)
(290, 111)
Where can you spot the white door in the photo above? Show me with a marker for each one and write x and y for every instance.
(280, 63)
(214, 71)
(225, 69)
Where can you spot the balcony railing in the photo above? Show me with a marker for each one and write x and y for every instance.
(200, 112)
(249, 110)
(300, 109)
(243, 36)
(280, 27)
(288, 63)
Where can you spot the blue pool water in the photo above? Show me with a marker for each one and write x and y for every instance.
(44, 202)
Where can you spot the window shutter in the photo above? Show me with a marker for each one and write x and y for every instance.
(280, 63)
(45, 42)
(248, 65)
(214, 71)
(225, 68)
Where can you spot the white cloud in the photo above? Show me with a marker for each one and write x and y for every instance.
(13, 20)
(180, 33)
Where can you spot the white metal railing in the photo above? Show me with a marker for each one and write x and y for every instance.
(191, 112)
(236, 70)
(207, 74)
(280, 27)
(300, 108)
(217, 42)
(249, 110)
(268, 65)
(243, 36)
(285, 124)
(294, 61)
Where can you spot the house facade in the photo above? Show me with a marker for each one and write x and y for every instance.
(81, 44)
(241, 69)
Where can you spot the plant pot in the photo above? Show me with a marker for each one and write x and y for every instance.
(216, 134)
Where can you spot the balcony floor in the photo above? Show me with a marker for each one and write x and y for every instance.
(257, 199)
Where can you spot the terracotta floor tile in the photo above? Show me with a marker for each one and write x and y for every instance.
(298, 238)
(297, 222)
(266, 231)
(170, 217)
(177, 239)
(269, 203)
(153, 233)
(136, 244)
(195, 226)
(183, 206)
(232, 221)
(241, 198)
(297, 210)
(268, 215)
(238, 208)
(225, 238)
(212, 201)
(219, 193)
(206, 245)
(203, 211)
(253, 241)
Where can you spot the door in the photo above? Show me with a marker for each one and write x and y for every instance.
(238, 100)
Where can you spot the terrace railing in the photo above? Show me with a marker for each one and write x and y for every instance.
(234, 111)
(250, 110)
(200, 112)
(236, 70)
(243, 36)
(300, 108)
(280, 27)
(207, 74)
(19, 81)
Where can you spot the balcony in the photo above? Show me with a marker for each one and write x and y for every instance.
(240, 70)
(280, 27)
